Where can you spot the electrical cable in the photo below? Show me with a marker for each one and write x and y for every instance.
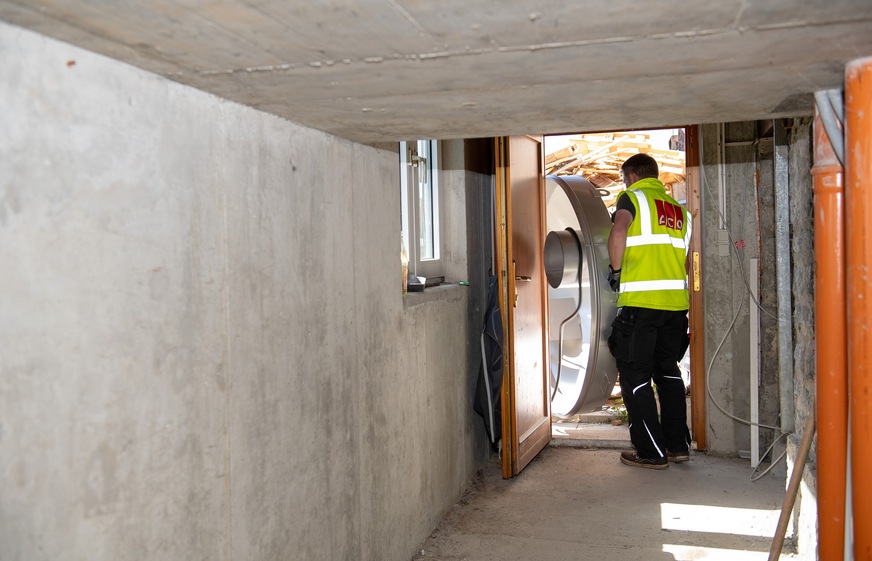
(738, 255)
(572, 315)
(735, 250)
(708, 386)
(773, 463)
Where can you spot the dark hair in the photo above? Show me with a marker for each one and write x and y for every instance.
(641, 165)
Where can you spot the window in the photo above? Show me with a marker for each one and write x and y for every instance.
(419, 186)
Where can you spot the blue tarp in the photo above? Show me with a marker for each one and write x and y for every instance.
(487, 401)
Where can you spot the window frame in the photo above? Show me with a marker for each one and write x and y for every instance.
(414, 216)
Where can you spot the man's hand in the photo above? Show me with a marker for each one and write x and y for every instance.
(614, 278)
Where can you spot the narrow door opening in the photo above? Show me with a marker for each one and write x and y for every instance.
(587, 405)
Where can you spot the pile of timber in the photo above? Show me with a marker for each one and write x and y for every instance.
(598, 158)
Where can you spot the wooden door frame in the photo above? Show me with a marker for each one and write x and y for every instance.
(697, 324)
(501, 250)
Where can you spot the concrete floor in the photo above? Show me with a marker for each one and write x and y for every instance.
(578, 502)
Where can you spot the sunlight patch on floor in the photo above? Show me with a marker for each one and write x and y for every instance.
(694, 553)
(719, 520)
(558, 431)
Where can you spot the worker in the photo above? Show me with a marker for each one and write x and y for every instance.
(648, 246)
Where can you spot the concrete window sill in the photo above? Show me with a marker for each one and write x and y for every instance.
(445, 292)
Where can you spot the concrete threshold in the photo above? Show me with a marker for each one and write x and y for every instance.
(598, 429)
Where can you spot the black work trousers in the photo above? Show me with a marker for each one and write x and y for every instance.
(647, 345)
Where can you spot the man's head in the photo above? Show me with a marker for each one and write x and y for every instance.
(639, 166)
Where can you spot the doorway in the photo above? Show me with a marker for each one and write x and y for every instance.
(597, 158)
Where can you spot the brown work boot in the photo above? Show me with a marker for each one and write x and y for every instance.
(678, 457)
(633, 459)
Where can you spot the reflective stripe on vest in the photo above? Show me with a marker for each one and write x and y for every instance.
(642, 286)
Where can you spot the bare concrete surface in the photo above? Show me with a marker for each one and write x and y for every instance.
(389, 70)
(573, 503)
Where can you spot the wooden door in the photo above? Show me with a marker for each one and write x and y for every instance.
(524, 300)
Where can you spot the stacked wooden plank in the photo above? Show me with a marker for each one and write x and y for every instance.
(598, 158)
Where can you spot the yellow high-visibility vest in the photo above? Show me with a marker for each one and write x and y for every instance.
(652, 271)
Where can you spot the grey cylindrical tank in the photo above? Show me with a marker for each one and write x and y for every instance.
(588, 373)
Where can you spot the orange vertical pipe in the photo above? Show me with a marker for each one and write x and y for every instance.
(858, 206)
(831, 346)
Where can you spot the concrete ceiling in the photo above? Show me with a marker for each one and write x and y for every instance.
(385, 70)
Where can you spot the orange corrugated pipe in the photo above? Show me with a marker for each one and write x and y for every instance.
(831, 346)
(858, 207)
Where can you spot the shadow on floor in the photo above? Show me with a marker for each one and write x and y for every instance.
(574, 503)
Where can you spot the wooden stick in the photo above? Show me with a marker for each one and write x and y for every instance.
(792, 488)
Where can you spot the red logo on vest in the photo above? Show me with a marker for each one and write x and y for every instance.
(669, 215)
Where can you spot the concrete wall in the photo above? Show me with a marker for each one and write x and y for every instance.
(725, 276)
(770, 399)
(751, 218)
(800, 163)
(205, 351)
(750, 223)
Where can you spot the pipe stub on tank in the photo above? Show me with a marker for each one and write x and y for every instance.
(562, 257)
